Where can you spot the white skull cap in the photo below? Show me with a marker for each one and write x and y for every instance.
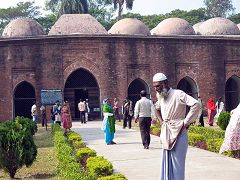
(159, 77)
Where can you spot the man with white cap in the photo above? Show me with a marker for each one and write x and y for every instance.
(171, 110)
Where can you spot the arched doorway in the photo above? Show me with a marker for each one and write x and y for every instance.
(81, 84)
(189, 86)
(134, 90)
(24, 95)
(232, 93)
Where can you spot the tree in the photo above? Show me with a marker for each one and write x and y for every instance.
(47, 21)
(235, 18)
(218, 8)
(22, 9)
(67, 6)
(118, 4)
(100, 10)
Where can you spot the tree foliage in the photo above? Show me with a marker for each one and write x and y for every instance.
(218, 8)
(118, 4)
(101, 11)
(22, 9)
(60, 7)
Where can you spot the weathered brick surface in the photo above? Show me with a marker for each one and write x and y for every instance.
(115, 61)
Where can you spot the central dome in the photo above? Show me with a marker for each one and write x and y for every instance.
(77, 24)
(173, 26)
(130, 26)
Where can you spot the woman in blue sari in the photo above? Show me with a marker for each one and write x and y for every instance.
(108, 125)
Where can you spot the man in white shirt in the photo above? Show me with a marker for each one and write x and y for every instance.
(171, 109)
(144, 111)
(34, 112)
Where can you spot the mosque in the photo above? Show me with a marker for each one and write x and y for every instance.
(81, 60)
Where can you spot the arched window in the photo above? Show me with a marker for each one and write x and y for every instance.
(134, 90)
(232, 92)
(24, 95)
(189, 86)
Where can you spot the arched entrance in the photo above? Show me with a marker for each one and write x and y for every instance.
(189, 86)
(134, 90)
(232, 93)
(23, 98)
(81, 84)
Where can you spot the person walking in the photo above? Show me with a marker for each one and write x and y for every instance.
(127, 111)
(144, 111)
(82, 109)
(211, 111)
(34, 112)
(171, 111)
(116, 109)
(43, 113)
(219, 107)
(57, 113)
(87, 111)
(108, 125)
(200, 118)
(66, 117)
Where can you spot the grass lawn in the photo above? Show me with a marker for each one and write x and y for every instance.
(45, 165)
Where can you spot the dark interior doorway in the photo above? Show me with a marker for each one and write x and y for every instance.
(135, 88)
(232, 93)
(81, 84)
(189, 86)
(24, 96)
(79, 94)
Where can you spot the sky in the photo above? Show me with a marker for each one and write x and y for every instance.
(141, 7)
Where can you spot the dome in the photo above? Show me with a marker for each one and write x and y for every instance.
(77, 24)
(173, 26)
(23, 27)
(130, 26)
(218, 26)
(196, 27)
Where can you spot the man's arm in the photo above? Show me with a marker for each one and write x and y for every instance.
(194, 108)
(136, 112)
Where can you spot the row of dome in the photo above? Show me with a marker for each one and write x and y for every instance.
(86, 24)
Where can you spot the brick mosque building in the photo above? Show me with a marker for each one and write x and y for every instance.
(84, 61)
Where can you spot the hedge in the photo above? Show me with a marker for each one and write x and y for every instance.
(98, 167)
(113, 177)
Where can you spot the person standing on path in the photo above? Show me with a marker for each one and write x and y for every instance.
(211, 111)
(171, 109)
(66, 117)
(127, 111)
(116, 109)
(144, 111)
(34, 112)
(108, 125)
(82, 109)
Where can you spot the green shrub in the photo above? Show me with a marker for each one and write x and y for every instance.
(98, 166)
(214, 144)
(83, 154)
(156, 131)
(56, 128)
(68, 167)
(78, 144)
(73, 136)
(17, 147)
(208, 133)
(233, 153)
(27, 124)
(197, 140)
(223, 120)
(113, 177)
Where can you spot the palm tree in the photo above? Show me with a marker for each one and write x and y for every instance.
(68, 6)
(118, 4)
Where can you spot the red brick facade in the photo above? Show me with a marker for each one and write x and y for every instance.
(115, 61)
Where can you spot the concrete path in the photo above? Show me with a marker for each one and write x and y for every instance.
(129, 158)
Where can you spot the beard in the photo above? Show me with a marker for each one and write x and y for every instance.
(163, 93)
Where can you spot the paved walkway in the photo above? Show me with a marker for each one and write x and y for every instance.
(129, 158)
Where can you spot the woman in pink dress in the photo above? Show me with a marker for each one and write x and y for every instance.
(211, 111)
(232, 134)
(66, 117)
